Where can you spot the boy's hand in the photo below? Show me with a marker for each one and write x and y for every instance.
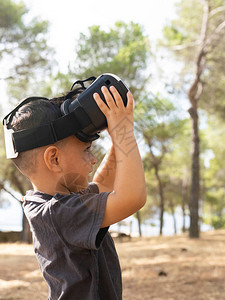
(116, 112)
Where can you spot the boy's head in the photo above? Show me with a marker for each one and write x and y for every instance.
(64, 164)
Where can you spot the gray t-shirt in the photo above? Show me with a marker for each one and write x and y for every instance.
(77, 258)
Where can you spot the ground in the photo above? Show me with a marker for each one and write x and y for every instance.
(152, 268)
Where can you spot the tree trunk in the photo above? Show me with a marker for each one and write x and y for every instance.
(26, 235)
(161, 197)
(184, 200)
(194, 95)
(174, 218)
(139, 223)
(184, 215)
(194, 196)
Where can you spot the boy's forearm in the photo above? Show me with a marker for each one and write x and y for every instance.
(105, 174)
(129, 193)
(129, 179)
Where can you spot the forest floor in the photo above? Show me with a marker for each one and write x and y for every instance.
(152, 268)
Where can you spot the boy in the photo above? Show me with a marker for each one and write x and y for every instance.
(69, 218)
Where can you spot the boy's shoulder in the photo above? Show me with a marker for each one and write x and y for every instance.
(88, 200)
(75, 218)
(92, 188)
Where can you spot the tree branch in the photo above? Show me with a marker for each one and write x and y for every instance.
(2, 187)
(216, 10)
(185, 46)
(220, 27)
(195, 90)
(7, 78)
(214, 36)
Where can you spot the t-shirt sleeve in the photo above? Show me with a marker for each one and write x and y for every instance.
(77, 218)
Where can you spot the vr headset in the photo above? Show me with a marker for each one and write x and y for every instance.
(80, 117)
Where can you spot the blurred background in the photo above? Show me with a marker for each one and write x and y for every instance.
(171, 55)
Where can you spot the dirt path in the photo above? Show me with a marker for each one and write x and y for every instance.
(190, 269)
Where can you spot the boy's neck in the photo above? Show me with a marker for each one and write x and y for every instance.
(48, 189)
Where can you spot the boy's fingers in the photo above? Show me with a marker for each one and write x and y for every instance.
(101, 104)
(117, 97)
(108, 98)
(130, 101)
(111, 103)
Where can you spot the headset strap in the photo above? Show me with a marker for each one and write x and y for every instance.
(50, 133)
(81, 82)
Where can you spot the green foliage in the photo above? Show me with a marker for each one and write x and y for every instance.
(212, 99)
(187, 26)
(10, 14)
(123, 50)
(23, 46)
(186, 30)
(183, 30)
(157, 119)
(25, 52)
(173, 35)
(213, 175)
(189, 18)
(167, 148)
(218, 222)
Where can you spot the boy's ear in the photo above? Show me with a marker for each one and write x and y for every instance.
(51, 159)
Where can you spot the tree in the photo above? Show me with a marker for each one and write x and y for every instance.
(177, 166)
(25, 59)
(25, 56)
(157, 121)
(196, 42)
(214, 173)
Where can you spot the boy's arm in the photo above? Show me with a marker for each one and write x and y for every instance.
(105, 174)
(129, 193)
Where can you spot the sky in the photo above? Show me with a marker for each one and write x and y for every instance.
(69, 18)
